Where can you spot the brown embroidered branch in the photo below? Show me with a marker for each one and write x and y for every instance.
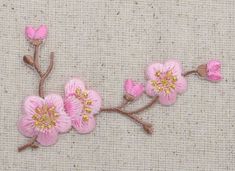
(190, 72)
(201, 71)
(45, 75)
(34, 62)
(31, 144)
(148, 127)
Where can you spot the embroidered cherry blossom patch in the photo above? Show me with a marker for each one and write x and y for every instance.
(46, 116)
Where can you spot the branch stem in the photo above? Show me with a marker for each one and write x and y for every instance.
(43, 76)
(148, 105)
(31, 144)
(36, 59)
(190, 72)
(148, 127)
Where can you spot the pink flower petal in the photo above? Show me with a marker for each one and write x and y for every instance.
(173, 65)
(214, 77)
(47, 137)
(84, 127)
(133, 89)
(167, 99)
(41, 33)
(96, 101)
(213, 66)
(29, 32)
(181, 84)
(128, 85)
(73, 106)
(31, 103)
(56, 101)
(26, 126)
(152, 69)
(149, 89)
(63, 123)
(72, 85)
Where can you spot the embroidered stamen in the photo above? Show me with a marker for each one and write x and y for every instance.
(85, 118)
(82, 96)
(88, 102)
(45, 117)
(164, 82)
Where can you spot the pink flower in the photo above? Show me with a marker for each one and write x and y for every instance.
(214, 71)
(81, 105)
(44, 118)
(132, 89)
(39, 33)
(165, 81)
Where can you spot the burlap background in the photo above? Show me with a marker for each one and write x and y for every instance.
(105, 42)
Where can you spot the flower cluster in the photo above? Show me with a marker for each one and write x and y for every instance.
(45, 117)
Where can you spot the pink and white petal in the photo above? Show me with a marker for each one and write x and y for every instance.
(56, 101)
(167, 99)
(214, 77)
(29, 32)
(26, 126)
(152, 69)
(73, 106)
(150, 90)
(41, 32)
(84, 127)
(47, 137)
(72, 85)
(63, 123)
(96, 101)
(181, 84)
(173, 65)
(31, 103)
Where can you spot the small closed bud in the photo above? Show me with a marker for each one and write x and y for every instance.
(214, 71)
(28, 60)
(33, 34)
(133, 90)
(201, 70)
(210, 71)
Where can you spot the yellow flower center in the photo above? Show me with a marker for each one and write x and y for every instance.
(85, 118)
(165, 82)
(83, 97)
(45, 117)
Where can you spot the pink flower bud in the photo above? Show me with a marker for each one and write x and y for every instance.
(132, 89)
(39, 33)
(214, 71)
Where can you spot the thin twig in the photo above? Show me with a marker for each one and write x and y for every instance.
(190, 72)
(148, 105)
(31, 144)
(148, 127)
(132, 114)
(36, 59)
(45, 75)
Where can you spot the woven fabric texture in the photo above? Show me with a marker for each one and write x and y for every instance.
(105, 42)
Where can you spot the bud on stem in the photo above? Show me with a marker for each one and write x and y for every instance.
(202, 70)
(28, 60)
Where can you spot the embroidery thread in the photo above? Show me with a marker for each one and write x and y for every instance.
(45, 117)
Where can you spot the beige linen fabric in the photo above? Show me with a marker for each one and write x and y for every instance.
(104, 42)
